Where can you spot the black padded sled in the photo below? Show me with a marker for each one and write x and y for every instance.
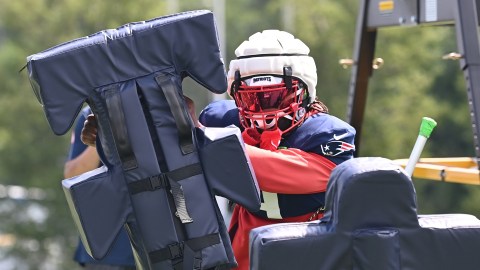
(370, 223)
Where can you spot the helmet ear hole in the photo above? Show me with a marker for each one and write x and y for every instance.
(300, 114)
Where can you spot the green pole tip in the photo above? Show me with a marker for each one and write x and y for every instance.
(427, 126)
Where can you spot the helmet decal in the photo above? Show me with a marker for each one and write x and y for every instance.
(335, 148)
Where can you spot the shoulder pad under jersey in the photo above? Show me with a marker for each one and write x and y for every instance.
(326, 135)
(220, 113)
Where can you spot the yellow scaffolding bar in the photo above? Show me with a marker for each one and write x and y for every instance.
(461, 170)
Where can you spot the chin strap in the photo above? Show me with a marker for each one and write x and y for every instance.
(287, 78)
(235, 84)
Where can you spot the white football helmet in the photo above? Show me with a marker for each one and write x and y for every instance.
(272, 80)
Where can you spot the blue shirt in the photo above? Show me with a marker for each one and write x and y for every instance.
(121, 252)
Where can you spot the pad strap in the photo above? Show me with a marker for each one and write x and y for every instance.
(161, 180)
(119, 129)
(184, 126)
(148, 184)
(171, 179)
(175, 250)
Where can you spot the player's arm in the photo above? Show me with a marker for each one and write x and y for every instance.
(88, 160)
(290, 171)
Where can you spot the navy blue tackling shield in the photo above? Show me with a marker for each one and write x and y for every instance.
(161, 174)
(65, 76)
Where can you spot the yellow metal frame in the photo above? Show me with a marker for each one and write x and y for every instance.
(463, 170)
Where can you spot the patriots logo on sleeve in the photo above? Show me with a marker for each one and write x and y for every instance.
(335, 146)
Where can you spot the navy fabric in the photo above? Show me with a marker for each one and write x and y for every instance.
(64, 76)
(319, 131)
(78, 146)
(316, 132)
(370, 223)
(370, 191)
(121, 252)
(221, 113)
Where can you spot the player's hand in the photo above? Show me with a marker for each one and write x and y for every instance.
(89, 131)
(270, 139)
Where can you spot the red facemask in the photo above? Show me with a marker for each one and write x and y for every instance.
(266, 103)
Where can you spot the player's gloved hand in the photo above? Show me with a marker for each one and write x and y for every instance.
(270, 139)
(251, 136)
(89, 131)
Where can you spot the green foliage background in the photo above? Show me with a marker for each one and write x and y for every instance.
(413, 83)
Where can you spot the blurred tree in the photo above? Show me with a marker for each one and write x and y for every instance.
(328, 27)
(399, 94)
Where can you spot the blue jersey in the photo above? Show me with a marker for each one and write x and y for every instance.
(320, 133)
(121, 252)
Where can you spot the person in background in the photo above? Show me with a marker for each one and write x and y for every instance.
(292, 141)
(81, 159)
